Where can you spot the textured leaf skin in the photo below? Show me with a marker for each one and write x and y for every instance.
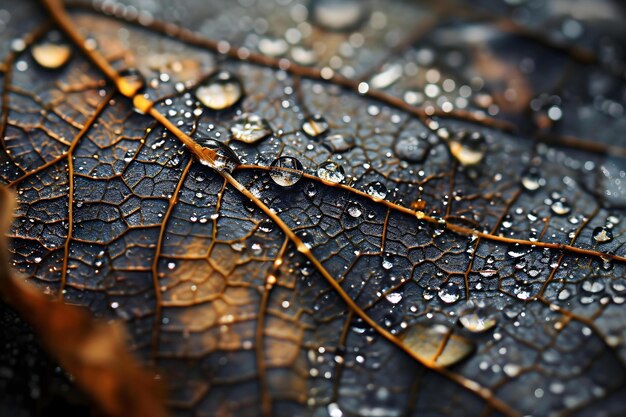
(117, 215)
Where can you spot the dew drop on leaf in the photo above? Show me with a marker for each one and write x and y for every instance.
(224, 159)
(394, 297)
(354, 210)
(376, 189)
(449, 293)
(412, 148)
(434, 343)
(338, 143)
(602, 234)
(593, 286)
(315, 126)
(220, 91)
(532, 179)
(51, 55)
(250, 128)
(331, 172)
(560, 207)
(286, 171)
(468, 148)
(273, 46)
(337, 15)
(477, 319)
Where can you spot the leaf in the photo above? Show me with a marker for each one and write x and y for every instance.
(454, 246)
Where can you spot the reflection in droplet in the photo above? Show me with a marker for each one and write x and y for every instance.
(532, 179)
(51, 55)
(220, 156)
(250, 128)
(376, 189)
(412, 148)
(477, 319)
(315, 126)
(354, 210)
(561, 207)
(286, 171)
(220, 91)
(331, 171)
(602, 234)
(338, 143)
(449, 293)
(426, 341)
(338, 15)
(469, 148)
(131, 82)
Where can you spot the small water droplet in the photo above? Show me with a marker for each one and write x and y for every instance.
(338, 143)
(273, 46)
(477, 319)
(411, 148)
(532, 179)
(376, 189)
(449, 293)
(469, 148)
(354, 210)
(250, 128)
(338, 15)
(434, 343)
(315, 126)
(394, 297)
(560, 207)
(220, 91)
(593, 285)
(286, 171)
(331, 171)
(51, 55)
(219, 156)
(602, 234)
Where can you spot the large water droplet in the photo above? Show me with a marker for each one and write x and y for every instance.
(532, 179)
(250, 128)
(411, 148)
(434, 343)
(131, 82)
(477, 319)
(469, 148)
(338, 15)
(220, 91)
(449, 293)
(51, 55)
(338, 143)
(220, 156)
(376, 189)
(286, 171)
(315, 126)
(602, 234)
(331, 171)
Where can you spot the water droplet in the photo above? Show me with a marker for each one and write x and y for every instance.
(593, 285)
(354, 210)
(387, 77)
(51, 55)
(376, 189)
(602, 234)
(220, 91)
(532, 179)
(338, 15)
(287, 171)
(469, 148)
(338, 143)
(131, 82)
(315, 126)
(477, 319)
(219, 156)
(331, 171)
(394, 297)
(250, 128)
(273, 46)
(412, 148)
(449, 293)
(561, 207)
(434, 343)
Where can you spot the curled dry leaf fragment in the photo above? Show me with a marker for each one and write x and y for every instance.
(93, 351)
